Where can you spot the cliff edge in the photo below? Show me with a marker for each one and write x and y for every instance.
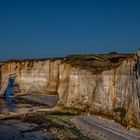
(104, 84)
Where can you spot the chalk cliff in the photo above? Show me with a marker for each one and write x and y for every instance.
(104, 84)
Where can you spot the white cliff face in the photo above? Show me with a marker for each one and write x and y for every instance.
(111, 92)
(39, 76)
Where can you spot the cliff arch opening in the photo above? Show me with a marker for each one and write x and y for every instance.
(12, 87)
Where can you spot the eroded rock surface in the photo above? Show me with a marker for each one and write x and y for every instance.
(106, 84)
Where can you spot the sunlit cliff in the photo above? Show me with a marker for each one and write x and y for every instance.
(108, 85)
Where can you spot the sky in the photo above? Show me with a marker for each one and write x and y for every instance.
(56, 28)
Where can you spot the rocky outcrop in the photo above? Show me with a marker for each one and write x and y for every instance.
(108, 85)
(39, 76)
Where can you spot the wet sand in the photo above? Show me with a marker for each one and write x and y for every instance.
(103, 129)
(28, 119)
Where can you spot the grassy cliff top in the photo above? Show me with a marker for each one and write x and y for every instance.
(96, 63)
(29, 60)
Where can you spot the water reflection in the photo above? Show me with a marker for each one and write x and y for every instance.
(11, 106)
(7, 104)
(10, 100)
